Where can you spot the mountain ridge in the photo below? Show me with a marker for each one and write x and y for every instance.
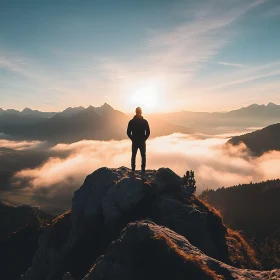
(26, 110)
(76, 124)
(112, 123)
(220, 122)
(260, 141)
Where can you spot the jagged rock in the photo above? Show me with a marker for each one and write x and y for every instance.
(117, 189)
(145, 250)
(111, 198)
(122, 197)
(87, 200)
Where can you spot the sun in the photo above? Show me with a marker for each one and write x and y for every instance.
(146, 96)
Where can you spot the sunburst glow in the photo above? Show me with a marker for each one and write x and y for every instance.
(146, 96)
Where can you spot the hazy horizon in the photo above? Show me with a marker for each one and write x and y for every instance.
(132, 110)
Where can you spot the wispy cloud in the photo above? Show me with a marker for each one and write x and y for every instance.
(230, 64)
(249, 79)
(19, 145)
(13, 64)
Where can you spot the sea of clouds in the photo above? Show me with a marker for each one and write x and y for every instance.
(52, 179)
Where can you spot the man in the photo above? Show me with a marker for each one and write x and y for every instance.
(138, 131)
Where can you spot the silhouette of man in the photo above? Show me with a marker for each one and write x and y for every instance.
(138, 131)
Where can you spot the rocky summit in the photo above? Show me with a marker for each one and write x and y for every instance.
(150, 225)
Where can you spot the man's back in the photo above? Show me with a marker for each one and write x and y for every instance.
(138, 129)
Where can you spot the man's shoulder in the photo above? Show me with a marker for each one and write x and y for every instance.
(131, 122)
(138, 120)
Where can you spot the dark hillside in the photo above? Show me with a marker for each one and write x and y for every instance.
(253, 209)
(20, 229)
(260, 141)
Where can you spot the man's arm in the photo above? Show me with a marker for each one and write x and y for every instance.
(147, 130)
(129, 131)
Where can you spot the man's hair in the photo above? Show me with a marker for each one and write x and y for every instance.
(138, 111)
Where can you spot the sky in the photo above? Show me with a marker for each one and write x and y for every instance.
(199, 55)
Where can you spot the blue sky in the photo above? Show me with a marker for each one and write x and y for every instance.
(206, 55)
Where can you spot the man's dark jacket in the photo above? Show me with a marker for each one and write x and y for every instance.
(138, 129)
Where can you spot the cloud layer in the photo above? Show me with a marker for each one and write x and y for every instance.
(53, 181)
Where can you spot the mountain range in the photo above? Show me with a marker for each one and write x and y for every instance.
(27, 112)
(106, 123)
(75, 124)
(222, 122)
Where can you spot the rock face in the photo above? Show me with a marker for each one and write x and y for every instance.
(145, 250)
(107, 202)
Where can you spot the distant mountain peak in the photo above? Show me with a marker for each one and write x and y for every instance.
(106, 105)
(90, 108)
(26, 110)
(104, 109)
(271, 104)
(254, 106)
(71, 111)
(73, 108)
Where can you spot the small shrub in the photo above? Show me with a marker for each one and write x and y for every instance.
(189, 180)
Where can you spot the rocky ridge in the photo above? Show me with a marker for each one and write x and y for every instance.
(156, 252)
(117, 217)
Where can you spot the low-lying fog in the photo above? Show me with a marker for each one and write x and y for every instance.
(33, 172)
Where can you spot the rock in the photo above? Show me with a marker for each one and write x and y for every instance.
(122, 197)
(67, 276)
(145, 250)
(108, 200)
(196, 222)
(87, 200)
(115, 191)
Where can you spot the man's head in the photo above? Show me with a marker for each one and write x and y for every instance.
(138, 111)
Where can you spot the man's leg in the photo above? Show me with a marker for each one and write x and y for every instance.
(142, 147)
(133, 156)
